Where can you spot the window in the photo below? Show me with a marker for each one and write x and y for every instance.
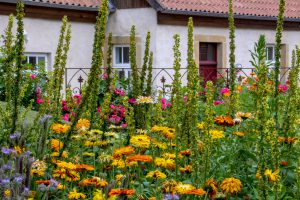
(270, 57)
(121, 60)
(36, 60)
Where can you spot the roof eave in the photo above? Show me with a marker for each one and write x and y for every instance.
(60, 6)
(225, 15)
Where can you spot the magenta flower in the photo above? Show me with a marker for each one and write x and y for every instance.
(98, 109)
(119, 92)
(77, 98)
(218, 103)
(224, 90)
(32, 76)
(66, 117)
(124, 125)
(39, 101)
(115, 119)
(132, 100)
(282, 88)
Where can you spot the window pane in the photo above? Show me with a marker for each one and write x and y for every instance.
(270, 53)
(42, 61)
(125, 54)
(118, 55)
(32, 60)
(211, 51)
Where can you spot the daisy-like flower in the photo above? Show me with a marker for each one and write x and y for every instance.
(186, 170)
(182, 188)
(38, 168)
(56, 144)
(216, 134)
(139, 158)
(81, 167)
(76, 195)
(224, 120)
(198, 192)
(272, 176)
(119, 192)
(144, 100)
(83, 124)
(95, 181)
(168, 133)
(200, 126)
(156, 175)
(140, 141)
(231, 185)
(123, 151)
(60, 128)
(165, 163)
(240, 134)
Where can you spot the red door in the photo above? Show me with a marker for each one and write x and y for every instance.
(208, 61)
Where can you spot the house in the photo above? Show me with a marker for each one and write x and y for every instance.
(163, 18)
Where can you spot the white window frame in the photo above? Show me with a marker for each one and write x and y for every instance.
(272, 62)
(36, 55)
(121, 66)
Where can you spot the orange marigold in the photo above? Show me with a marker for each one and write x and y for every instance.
(95, 181)
(123, 151)
(119, 192)
(56, 144)
(60, 128)
(198, 192)
(80, 167)
(139, 158)
(83, 124)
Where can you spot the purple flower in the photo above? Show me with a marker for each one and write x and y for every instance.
(53, 183)
(171, 197)
(7, 151)
(14, 136)
(26, 154)
(7, 167)
(18, 179)
(4, 181)
(45, 118)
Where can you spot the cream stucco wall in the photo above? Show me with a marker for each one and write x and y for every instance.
(43, 35)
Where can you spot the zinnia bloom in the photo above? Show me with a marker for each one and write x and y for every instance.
(123, 151)
(56, 144)
(76, 195)
(231, 185)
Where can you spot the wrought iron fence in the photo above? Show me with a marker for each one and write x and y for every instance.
(163, 77)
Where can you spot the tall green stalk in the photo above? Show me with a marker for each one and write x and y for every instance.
(149, 78)
(232, 46)
(146, 62)
(109, 62)
(133, 64)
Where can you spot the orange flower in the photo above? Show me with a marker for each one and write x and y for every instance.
(60, 128)
(119, 192)
(139, 158)
(224, 120)
(198, 192)
(56, 144)
(284, 163)
(45, 182)
(288, 140)
(186, 153)
(123, 151)
(240, 134)
(83, 124)
(84, 167)
(95, 181)
(186, 170)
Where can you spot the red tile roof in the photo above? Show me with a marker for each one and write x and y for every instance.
(261, 8)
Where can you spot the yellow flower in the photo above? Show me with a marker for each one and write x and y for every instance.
(272, 176)
(76, 195)
(66, 165)
(200, 126)
(120, 163)
(98, 195)
(64, 154)
(7, 193)
(184, 188)
(240, 134)
(216, 134)
(231, 185)
(83, 124)
(152, 198)
(56, 144)
(111, 134)
(168, 133)
(61, 186)
(140, 141)
(165, 163)
(95, 132)
(38, 168)
(144, 100)
(156, 175)
(60, 128)
(119, 178)
(19, 150)
(158, 144)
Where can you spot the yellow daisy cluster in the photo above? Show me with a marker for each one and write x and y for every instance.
(272, 176)
(168, 133)
(158, 144)
(38, 168)
(165, 163)
(144, 100)
(216, 134)
(140, 141)
(66, 171)
(60, 128)
(156, 175)
(99, 143)
(76, 195)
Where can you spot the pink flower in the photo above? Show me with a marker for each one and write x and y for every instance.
(77, 98)
(105, 76)
(185, 98)
(32, 76)
(115, 119)
(218, 102)
(282, 88)
(98, 109)
(119, 92)
(64, 106)
(73, 114)
(132, 100)
(65, 117)
(124, 125)
(224, 90)
(39, 101)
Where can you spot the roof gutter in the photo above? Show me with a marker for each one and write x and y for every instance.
(60, 6)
